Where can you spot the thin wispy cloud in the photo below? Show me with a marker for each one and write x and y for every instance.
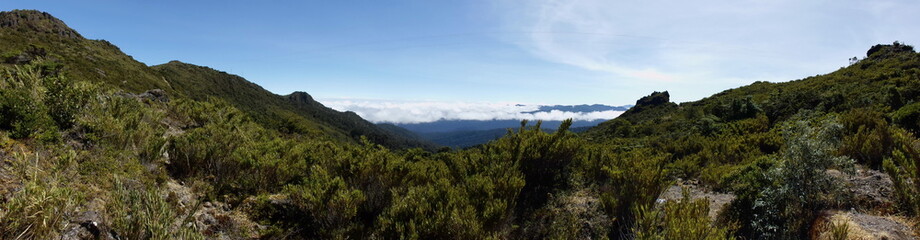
(379, 111)
(706, 41)
(573, 32)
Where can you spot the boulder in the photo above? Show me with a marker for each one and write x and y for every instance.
(87, 225)
(155, 95)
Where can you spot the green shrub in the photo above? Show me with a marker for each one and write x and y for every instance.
(492, 183)
(719, 177)
(868, 137)
(634, 178)
(22, 103)
(908, 117)
(36, 100)
(118, 123)
(686, 168)
(785, 200)
(231, 153)
(737, 109)
(904, 168)
(432, 211)
(682, 219)
(207, 153)
(327, 204)
(64, 99)
(544, 159)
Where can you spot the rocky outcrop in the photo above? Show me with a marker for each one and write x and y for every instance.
(299, 97)
(216, 220)
(157, 95)
(655, 99)
(888, 50)
(652, 104)
(27, 56)
(870, 190)
(31, 20)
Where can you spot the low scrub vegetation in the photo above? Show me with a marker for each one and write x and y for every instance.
(72, 147)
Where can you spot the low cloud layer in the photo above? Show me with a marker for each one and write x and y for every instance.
(430, 111)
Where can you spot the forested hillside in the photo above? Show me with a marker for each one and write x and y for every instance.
(87, 152)
(28, 35)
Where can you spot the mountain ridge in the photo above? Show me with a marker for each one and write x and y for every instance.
(581, 108)
(34, 34)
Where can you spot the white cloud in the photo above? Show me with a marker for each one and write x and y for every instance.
(687, 42)
(429, 111)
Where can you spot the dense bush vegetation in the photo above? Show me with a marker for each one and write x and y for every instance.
(76, 144)
(86, 138)
(308, 186)
(37, 100)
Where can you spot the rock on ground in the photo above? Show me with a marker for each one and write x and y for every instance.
(216, 220)
(867, 190)
(862, 226)
(717, 201)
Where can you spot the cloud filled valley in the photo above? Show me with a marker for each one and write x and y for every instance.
(431, 111)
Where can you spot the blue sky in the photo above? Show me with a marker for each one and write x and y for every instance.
(501, 51)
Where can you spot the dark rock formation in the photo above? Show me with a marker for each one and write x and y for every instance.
(31, 20)
(155, 95)
(655, 99)
(888, 50)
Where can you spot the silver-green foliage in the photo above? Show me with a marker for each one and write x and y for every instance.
(801, 185)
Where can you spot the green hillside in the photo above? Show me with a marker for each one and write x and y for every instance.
(31, 34)
(733, 140)
(220, 158)
(885, 81)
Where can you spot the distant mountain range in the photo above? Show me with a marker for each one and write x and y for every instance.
(466, 133)
(582, 108)
(480, 125)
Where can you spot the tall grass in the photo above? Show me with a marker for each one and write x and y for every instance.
(142, 213)
(38, 210)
